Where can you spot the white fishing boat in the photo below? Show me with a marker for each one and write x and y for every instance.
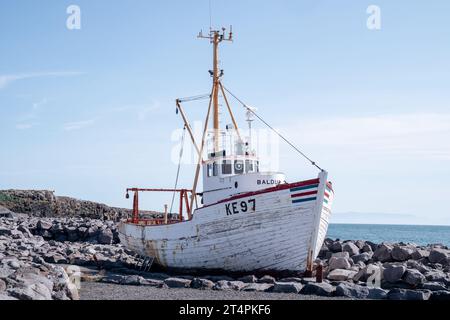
(244, 220)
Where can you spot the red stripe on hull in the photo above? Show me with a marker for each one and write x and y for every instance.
(303, 194)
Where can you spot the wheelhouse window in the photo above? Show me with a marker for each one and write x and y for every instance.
(257, 166)
(209, 169)
(249, 166)
(238, 166)
(215, 169)
(227, 167)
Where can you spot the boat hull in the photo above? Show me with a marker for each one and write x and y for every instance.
(278, 229)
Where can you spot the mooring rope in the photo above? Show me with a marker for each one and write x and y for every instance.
(270, 127)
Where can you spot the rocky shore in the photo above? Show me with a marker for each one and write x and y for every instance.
(51, 255)
(43, 258)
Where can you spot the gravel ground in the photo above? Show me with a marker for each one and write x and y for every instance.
(106, 291)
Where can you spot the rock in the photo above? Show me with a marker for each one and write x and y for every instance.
(341, 275)
(351, 248)
(202, 284)
(105, 236)
(438, 295)
(414, 277)
(133, 280)
(44, 225)
(5, 231)
(291, 279)
(177, 283)
(5, 272)
(248, 279)
(420, 254)
(267, 279)
(339, 263)
(413, 264)
(260, 287)
(363, 257)
(393, 273)
(366, 248)
(370, 271)
(438, 255)
(405, 294)
(36, 291)
(400, 253)
(287, 287)
(436, 276)
(341, 255)
(383, 253)
(335, 246)
(229, 285)
(72, 234)
(2, 285)
(60, 295)
(351, 290)
(319, 289)
(433, 286)
(377, 294)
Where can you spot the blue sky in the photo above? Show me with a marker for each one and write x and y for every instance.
(90, 112)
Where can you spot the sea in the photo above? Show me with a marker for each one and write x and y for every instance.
(420, 235)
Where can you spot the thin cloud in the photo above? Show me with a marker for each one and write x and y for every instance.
(423, 135)
(6, 80)
(25, 126)
(71, 126)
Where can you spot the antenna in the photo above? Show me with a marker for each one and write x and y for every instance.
(210, 15)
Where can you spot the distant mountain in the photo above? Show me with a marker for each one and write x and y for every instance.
(381, 218)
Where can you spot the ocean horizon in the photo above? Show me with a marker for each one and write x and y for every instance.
(378, 233)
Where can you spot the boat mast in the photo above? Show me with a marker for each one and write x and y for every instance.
(216, 37)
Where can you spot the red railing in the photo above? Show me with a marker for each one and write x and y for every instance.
(183, 204)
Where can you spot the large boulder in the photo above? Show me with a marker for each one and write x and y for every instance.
(335, 246)
(383, 253)
(35, 291)
(351, 290)
(44, 224)
(405, 294)
(438, 255)
(177, 283)
(414, 277)
(351, 248)
(318, 289)
(401, 253)
(260, 287)
(341, 275)
(394, 273)
(267, 279)
(105, 236)
(229, 285)
(420, 254)
(363, 257)
(287, 287)
(371, 271)
(199, 283)
(433, 286)
(339, 263)
(377, 294)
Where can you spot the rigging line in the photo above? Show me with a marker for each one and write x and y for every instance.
(279, 134)
(178, 170)
(194, 98)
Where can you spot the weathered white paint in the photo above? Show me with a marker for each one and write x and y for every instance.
(276, 236)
